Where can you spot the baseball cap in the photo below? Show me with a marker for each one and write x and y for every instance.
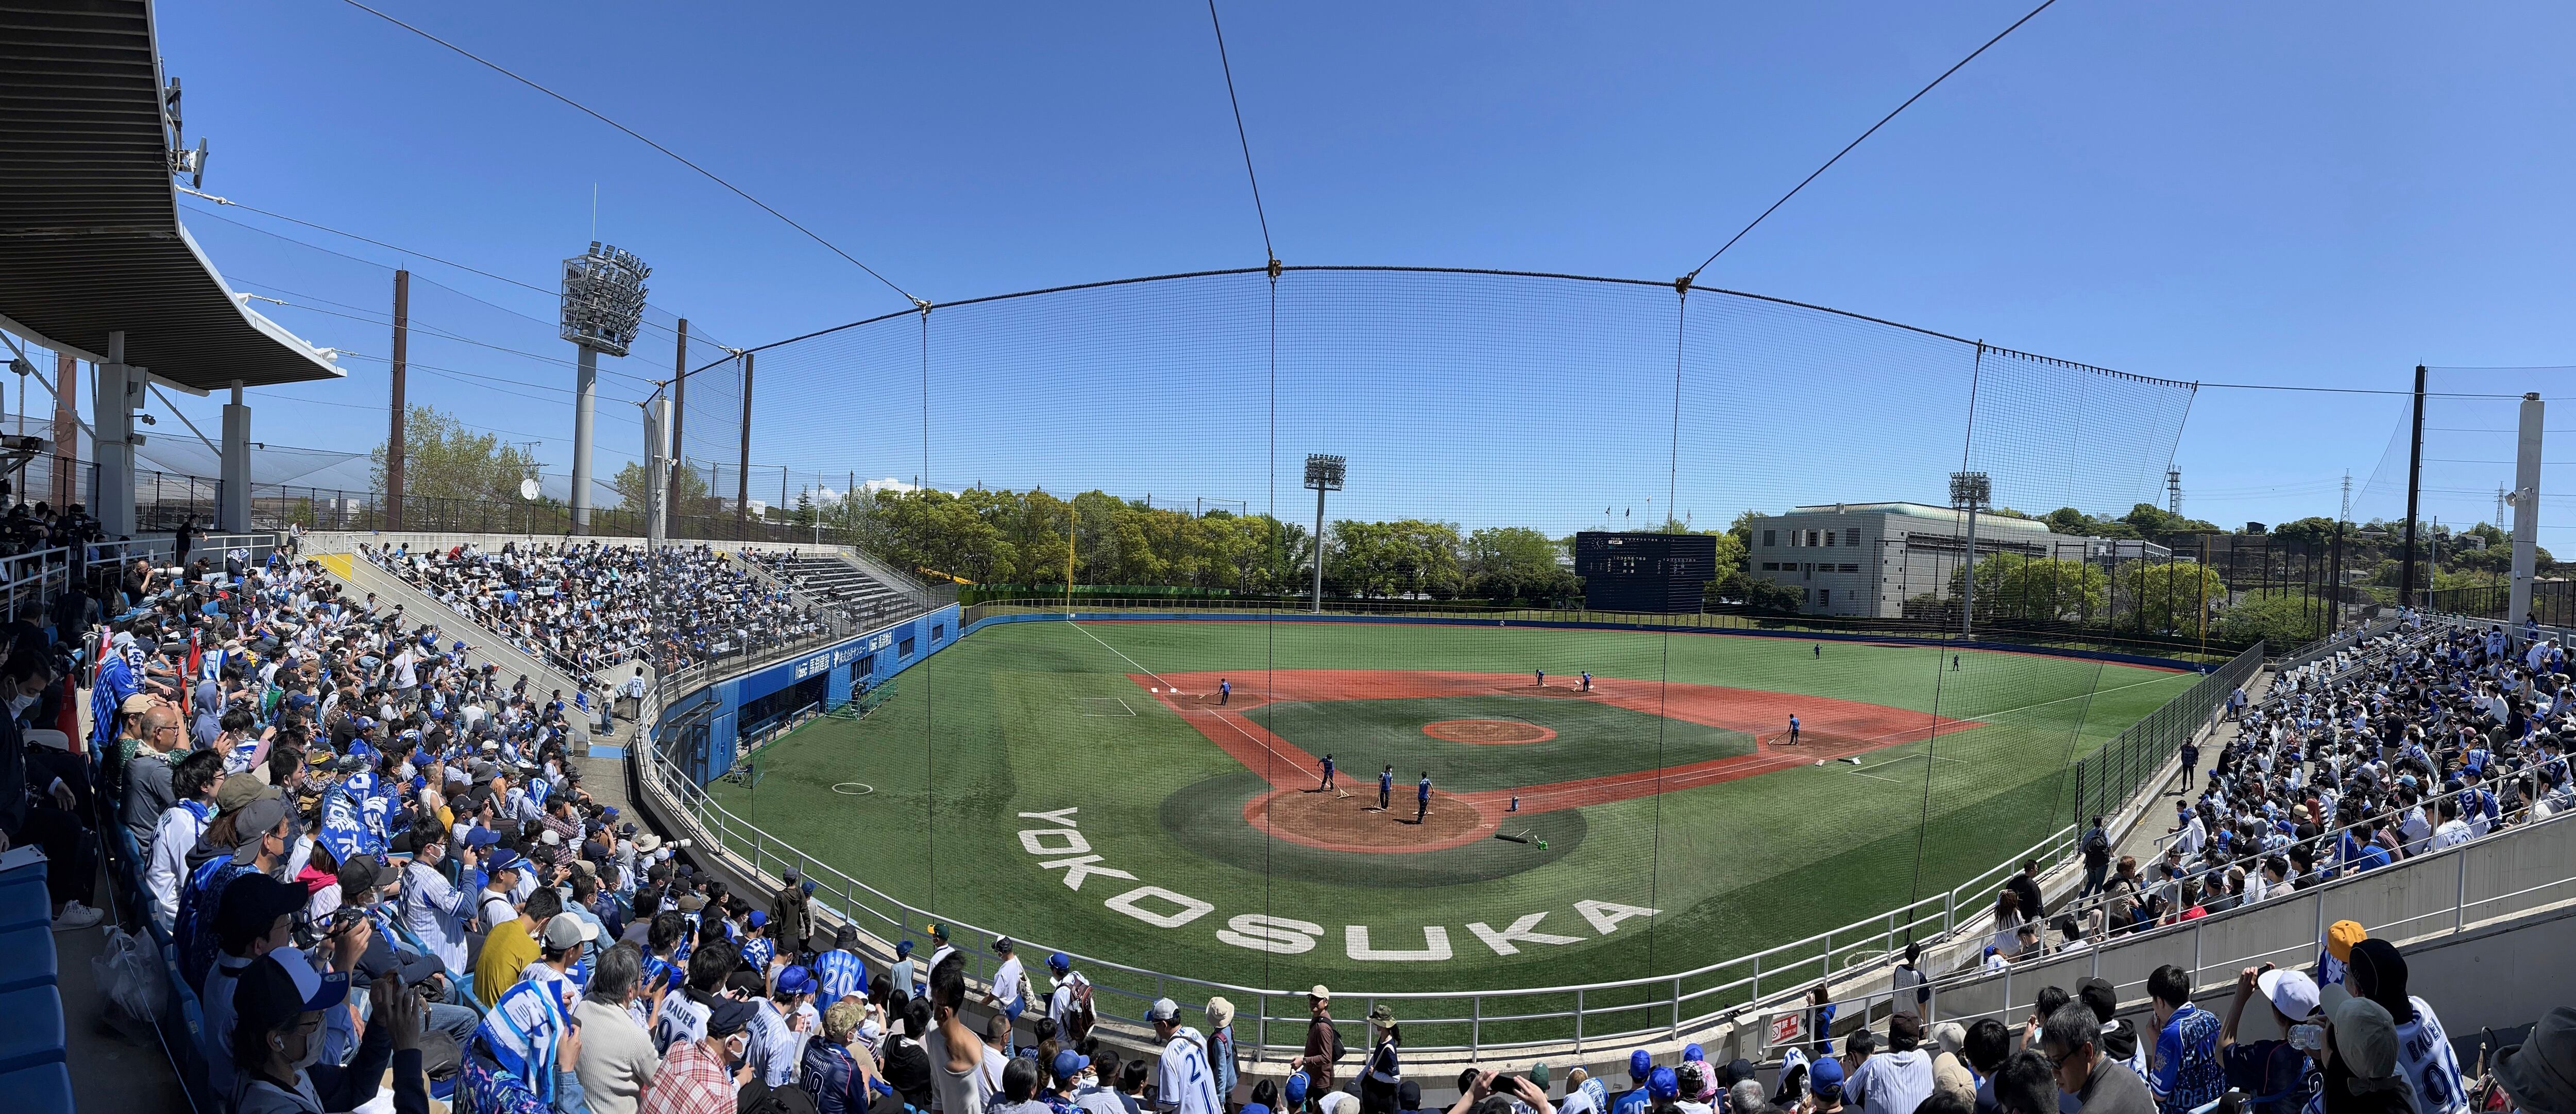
(759, 919)
(1739, 1069)
(258, 818)
(505, 859)
(363, 872)
(482, 837)
(1296, 1095)
(1664, 1084)
(1002, 945)
(1640, 1065)
(728, 1016)
(1059, 963)
(251, 905)
(2341, 936)
(938, 931)
(1693, 1052)
(902, 948)
(136, 704)
(691, 903)
(2365, 1037)
(1068, 1063)
(563, 930)
(1164, 1009)
(1320, 993)
(1825, 1077)
(796, 979)
(285, 984)
(2291, 992)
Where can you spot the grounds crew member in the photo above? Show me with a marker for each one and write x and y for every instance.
(1328, 772)
(1422, 798)
(1385, 785)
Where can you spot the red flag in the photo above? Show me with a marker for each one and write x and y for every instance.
(69, 718)
(188, 682)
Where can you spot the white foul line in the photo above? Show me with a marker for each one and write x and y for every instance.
(1256, 740)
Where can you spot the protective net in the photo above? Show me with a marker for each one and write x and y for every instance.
(1528, 789)
(2466, 504)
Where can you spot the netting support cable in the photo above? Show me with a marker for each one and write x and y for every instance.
(1245, 140)
(640, 137)
(1873, 130)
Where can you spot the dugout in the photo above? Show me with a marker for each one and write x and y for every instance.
(1661, 573)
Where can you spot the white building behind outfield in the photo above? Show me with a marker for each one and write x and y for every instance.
(1867, 559)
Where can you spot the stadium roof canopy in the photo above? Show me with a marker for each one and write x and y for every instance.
(90, 241)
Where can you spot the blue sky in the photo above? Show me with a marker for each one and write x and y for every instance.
(2288, 193)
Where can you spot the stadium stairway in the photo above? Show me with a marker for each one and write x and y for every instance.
(603, 770)
(839, 585)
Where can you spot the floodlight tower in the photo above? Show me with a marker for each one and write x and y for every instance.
(1323, 473)
(603, 302)
(1970, 492)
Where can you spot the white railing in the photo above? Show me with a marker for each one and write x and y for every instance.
(1649, 1009)
(1658, 1007)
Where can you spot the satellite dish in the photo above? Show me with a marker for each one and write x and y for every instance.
(528, 489)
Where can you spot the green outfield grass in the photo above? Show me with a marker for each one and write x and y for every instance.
(1036, 717)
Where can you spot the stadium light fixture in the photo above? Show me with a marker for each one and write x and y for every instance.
(1970, 492)
(1324, 472)
(603, 304)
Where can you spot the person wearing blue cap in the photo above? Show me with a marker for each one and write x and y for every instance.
(757, 948)
(1664, 1087)
(908, 974)
(1293, 1099)
(776, 1048)
(1069, 1004)
(1641, 1067)
(1825, 1084)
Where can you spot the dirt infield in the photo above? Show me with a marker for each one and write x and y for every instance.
(1488, 732)
(1333, 822)
(1831, 728)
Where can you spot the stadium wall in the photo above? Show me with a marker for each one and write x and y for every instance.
(878, 655)
(2177, 664)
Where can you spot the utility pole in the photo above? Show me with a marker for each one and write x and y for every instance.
(2173, 491)
(402, 365)
(2346, 516)
(742, 469)
(679, 414)
(2414, 492)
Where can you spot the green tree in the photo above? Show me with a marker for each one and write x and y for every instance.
(2164, 597)
(2287, 621)
(444, 460)
(1508, 564)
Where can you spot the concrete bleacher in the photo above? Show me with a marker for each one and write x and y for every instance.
(843, 587)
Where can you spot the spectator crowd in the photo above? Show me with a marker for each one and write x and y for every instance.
(585, 607)
(374, 860)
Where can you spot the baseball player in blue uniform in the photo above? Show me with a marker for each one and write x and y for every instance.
(1385, 785)
(1542, 677)
(1422, 798)
(1587, 680)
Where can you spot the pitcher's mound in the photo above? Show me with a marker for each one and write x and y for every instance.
(1491, 732)
(1336, 823)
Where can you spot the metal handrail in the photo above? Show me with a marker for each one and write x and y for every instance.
(1808, 960)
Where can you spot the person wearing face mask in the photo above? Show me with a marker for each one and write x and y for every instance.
(279, 1005)
(194, 781)
(252, 841)
(699, 1076)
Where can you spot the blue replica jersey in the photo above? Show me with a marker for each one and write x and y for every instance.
(841, 975)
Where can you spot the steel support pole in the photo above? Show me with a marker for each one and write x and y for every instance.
(394, 436)
(742, 470)
(1319, 550)
(2526, 509)
(2414, 492)
(584, 410)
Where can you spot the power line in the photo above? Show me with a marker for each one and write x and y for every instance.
(639, 137)
(354, 236)
(1241, 137)
(1873, 130)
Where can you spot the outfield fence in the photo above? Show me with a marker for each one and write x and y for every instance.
(1575, 1018)
(2109, 776)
